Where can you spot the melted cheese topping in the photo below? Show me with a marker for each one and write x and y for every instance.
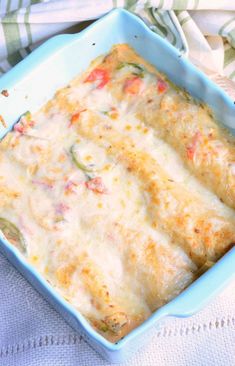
(99, 201)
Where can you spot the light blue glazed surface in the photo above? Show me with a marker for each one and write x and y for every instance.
(32, 82)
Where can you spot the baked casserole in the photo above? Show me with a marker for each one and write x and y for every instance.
(120, 191)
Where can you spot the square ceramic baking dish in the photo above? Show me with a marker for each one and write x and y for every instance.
(32, 82)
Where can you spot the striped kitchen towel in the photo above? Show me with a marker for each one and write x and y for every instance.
(203, 29)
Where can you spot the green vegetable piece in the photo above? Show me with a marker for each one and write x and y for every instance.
(138, 70)
(13, 234)
(141, 75)
(27, 115)
(136, 66)
(103, 327)
(78, 163)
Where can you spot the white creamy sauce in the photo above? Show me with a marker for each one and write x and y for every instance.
(148, 141)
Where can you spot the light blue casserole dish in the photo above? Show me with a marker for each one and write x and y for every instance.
(32, 82)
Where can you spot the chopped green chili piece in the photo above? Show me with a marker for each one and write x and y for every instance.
(78, 163)
(138, 70)
(13, 234)
(27, 115)
(136, 66)
(103, 327)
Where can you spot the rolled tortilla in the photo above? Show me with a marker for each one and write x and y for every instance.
(207, 148)
(201, 231)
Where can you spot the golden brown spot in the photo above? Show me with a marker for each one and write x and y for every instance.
(88, 158)
(62, 158)
(86, 271)
(64, 274)
(35, 258)
(107, 167)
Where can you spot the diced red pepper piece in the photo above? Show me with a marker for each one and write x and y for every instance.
(191, 149)
(96, 185)
(161, 86)
(190, 152)
(24, 123)
(133, 85)
(75, 117)
(18, 127)
(98, 75)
